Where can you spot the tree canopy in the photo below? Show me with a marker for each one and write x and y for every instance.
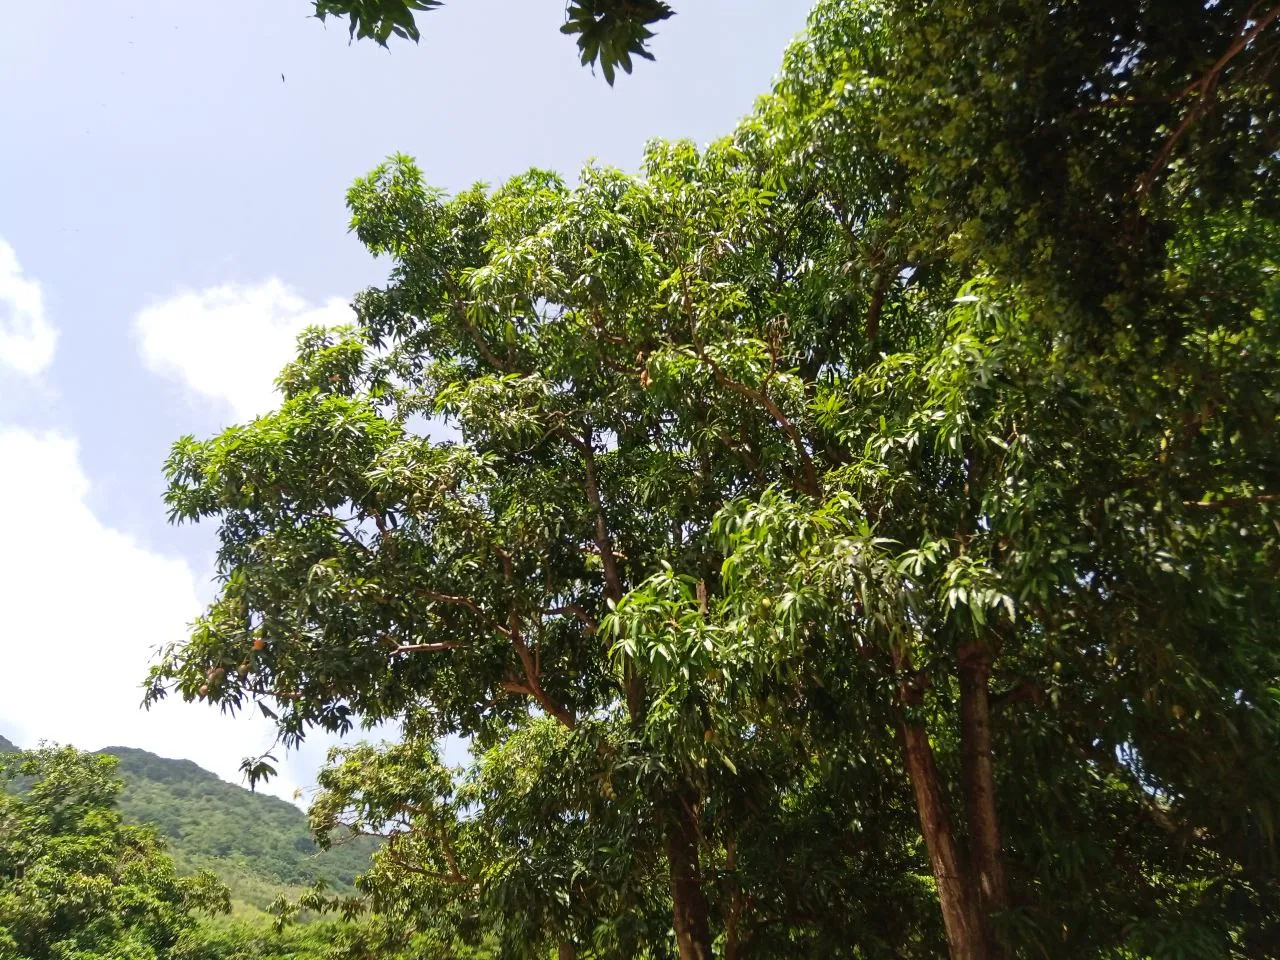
(872, 510)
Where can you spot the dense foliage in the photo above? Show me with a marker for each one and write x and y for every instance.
(329, 940)
(873, 512)
(75, 881)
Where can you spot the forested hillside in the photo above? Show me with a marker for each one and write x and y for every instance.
(258, 845)
(78, 880)
(240, 835)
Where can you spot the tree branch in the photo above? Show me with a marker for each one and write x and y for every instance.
(1158, 814)
(613, 582)
(1023, 690)
(576, 611)
(425, 647)
(1203, 89)
(470, 605)
(449, 855)
(342, 528)
(452, 878)
(489, 356)
(1228, 502)
(884, 279)
(811, 484)
(533, 685)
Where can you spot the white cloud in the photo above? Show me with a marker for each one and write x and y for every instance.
(230, 342)
(82, 606)
(27, 338)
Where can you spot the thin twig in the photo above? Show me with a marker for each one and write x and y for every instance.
(425, 647)
(470, 605)
(573, 609)
(1227, 502)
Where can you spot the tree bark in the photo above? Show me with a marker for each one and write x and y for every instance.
(979, 783)
(690, 911)
(566, 951)
(960, 914)
(632, 682)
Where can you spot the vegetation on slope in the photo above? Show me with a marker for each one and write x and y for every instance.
(254, 842)
(258, 845)
(75, 880)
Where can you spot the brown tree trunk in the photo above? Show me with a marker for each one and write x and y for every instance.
(978, 774)
(690, 911)
(566, 951)
(960, 914)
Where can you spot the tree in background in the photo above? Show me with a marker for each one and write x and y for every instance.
(74, 880)
(874, 507)
(468, 580)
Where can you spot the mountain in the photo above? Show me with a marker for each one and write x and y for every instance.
(249, 839)
(258, 845)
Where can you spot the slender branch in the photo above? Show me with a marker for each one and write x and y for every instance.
(425, 647)
(341, 526)
(733, 913)
(454, 878)
(884, 279)
(470, 605)
(576, 611)
(740, 448)
(613, 582)
(489, 356)
(450, 855)
(811, 484)
(1122, 103)
(533, 683)
(632, 683)
(1203, 89)
(1026, 690)
(1246, 37)
(1158, 814)
(1227, 502)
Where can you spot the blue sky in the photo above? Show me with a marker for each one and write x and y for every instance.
(171, 212)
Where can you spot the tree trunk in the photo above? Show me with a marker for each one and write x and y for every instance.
(979, 782)
(566, 951)
(690, 912)
(960, 915)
